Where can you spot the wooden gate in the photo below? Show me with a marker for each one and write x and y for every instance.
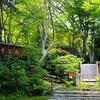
(88, 72)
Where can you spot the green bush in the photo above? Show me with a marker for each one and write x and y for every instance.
(69, 63)
(21, 78)
(13, 78)
(34, 72)
(65, 65)
(35, 75)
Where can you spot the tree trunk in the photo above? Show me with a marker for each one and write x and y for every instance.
(43, 57)
(91, 56)
(93, 42)
(0, 33)
(1, 22)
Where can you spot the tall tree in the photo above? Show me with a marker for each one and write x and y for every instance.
(78, 19)
(39, 26)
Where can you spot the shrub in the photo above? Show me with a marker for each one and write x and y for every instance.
(65, 65)
(13, 78)
(21, 78)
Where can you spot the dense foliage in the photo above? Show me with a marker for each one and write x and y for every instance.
(22, 78)
(61, 66)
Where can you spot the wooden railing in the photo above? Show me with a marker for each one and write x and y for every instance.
(51, 79)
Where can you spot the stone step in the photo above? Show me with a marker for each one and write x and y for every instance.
(77, 92)
(76, 95)
(73, 98)
(92, 83)
(83, 94)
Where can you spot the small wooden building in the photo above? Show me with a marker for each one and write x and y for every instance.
(9, 50)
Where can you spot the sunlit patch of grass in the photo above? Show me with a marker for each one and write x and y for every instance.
(63, 85)
(47, 82)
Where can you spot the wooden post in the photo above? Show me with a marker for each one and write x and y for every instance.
(52, 84)
(97, 68)
(52, 77)
(77, 79)
(80, 71)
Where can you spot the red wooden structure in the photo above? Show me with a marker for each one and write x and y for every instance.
(9, 49)
(72, 74)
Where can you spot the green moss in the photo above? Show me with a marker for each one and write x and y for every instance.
(35, 98)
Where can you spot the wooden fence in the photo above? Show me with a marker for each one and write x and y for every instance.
(51, 79)
(89, 72)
